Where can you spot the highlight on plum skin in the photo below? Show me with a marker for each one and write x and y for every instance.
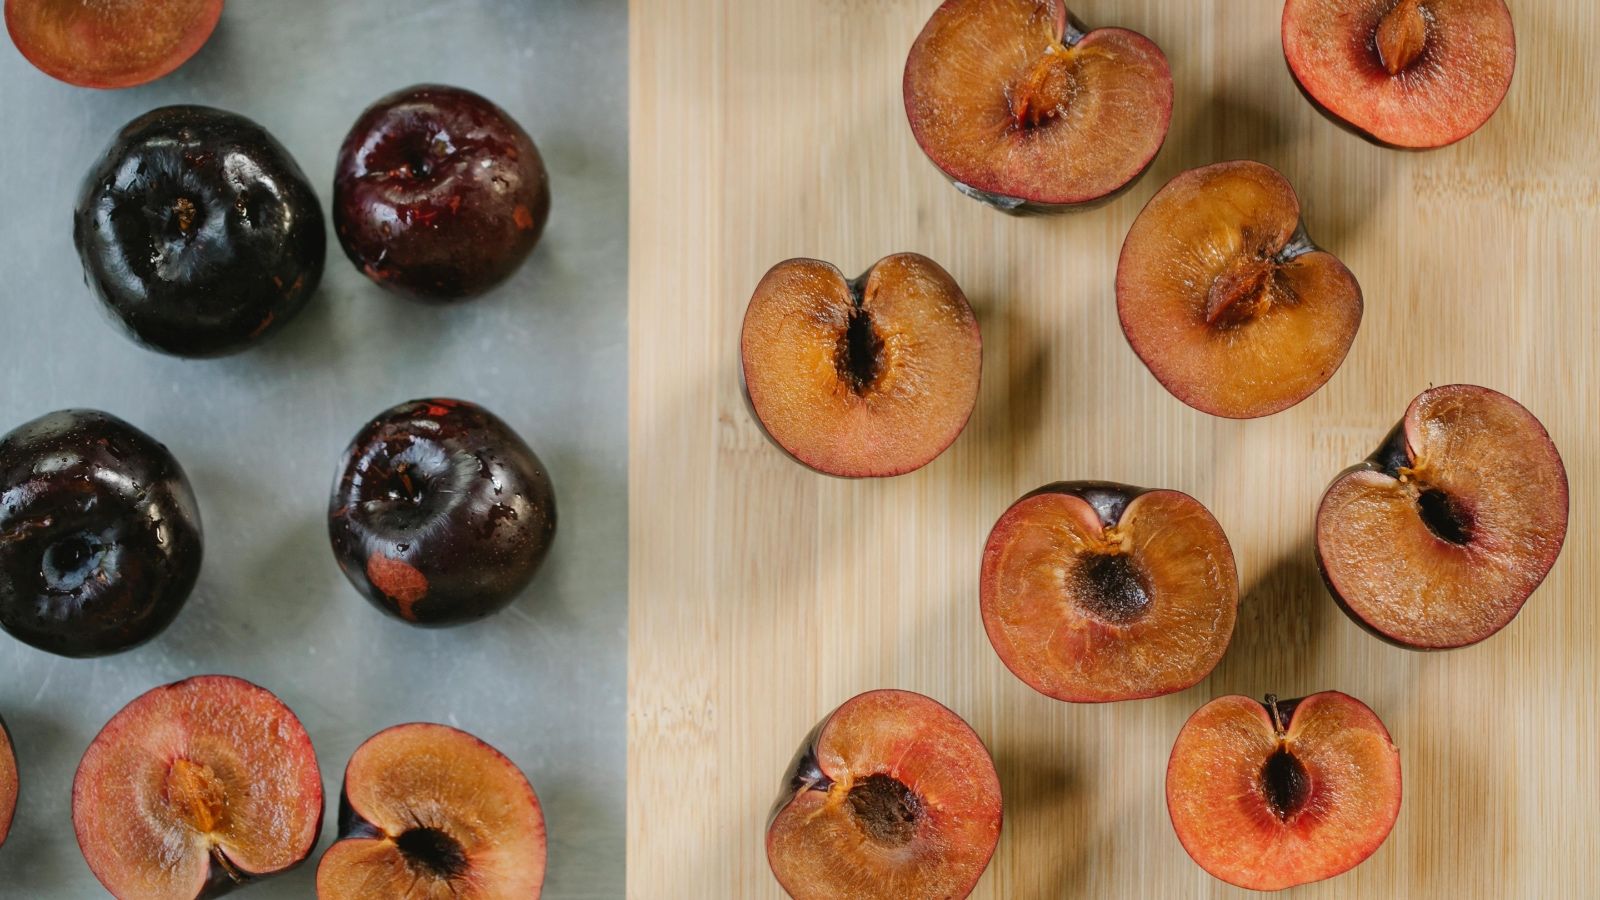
(1093, 592)
(196, 788)
(1439, 538)
(113, 43)
(871, 377)
(1024, 108)
(891, 796)
(1270, 795)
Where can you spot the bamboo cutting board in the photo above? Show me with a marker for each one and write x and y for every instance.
(763, 595)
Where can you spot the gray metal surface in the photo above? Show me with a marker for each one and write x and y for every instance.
(260, 434)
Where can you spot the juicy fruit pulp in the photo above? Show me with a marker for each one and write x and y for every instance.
(891, 796)
(439, 194)
(872, 377)
(432, 812)
(100, 539)
(1021, 107)
(1271, 796)
(1225, 298)
(110, 43)
(1407, 73)
(440, 514)
(1438, 538)
(1093, 592)
(195, 788)
(8, 782)
(199, 232)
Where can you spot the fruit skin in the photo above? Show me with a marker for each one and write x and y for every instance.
(439, 195)
(174, 733)
(1278, 718)
(1396, 453)
(9, 781)
(69, 26)
(440, 513)
(439, 745)
(198, 232)
(93, 509)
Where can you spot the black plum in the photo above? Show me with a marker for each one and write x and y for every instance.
(439, 194)
(199, 232)
(440, 513)
(100, 540)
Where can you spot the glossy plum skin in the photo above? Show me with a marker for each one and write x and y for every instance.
(438, 194)
(440, 514)
(199, 232)
(100, 539)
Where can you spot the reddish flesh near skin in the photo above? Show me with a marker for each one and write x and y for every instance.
(1395, 575)
(110, 43)
(1216, 222)
(1450, 91)
(1105, 114)
(1046, 630)
(8, 783)
(928, 374)
(450, 781)
(1220, 811)
(818, 850)
(137, 829)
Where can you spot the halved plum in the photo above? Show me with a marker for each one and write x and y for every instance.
(1413, 74)
(196, 788)
(1269, 796)
(9, 782)
(1226, 299)
(1024, 108)
(891, 796)
(865, 378)
(431, 812)
(110, 43)
(1438, 539)
(1093, 591)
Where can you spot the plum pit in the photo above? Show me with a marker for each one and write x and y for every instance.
(886, 809)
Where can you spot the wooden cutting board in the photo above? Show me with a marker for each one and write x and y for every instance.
(763, 595)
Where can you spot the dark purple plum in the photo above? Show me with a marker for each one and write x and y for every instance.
(199, 232)
(100, 540)
(440, 514)
(439, 195)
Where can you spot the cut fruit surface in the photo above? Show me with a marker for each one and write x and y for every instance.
(9, 782)
(872, 377)
(110, 43)
(1271, 796)
(1226, 300)
(432, 813)
(1408, 73)
(1094, 592)
(195, 788)
(1019, 105)
(891, 796)
(1438, 539)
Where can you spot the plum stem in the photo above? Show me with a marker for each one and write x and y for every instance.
(1402, 34)
(1277, 717)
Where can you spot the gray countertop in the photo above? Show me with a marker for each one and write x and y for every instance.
(260, 433)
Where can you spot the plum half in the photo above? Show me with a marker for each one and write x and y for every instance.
(1024, 108)
(1226, 299)
(866, 378)
(196, 788)
(110, 43)
(1413, 74)
(891, 796)
(433, 813)
(9, 782)
(1439, 538)
(1092, 591)
(1269, 796)
(100, 538)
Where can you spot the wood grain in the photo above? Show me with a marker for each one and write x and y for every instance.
(763, 595)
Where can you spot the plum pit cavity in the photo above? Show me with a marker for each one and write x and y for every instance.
(887, 810)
